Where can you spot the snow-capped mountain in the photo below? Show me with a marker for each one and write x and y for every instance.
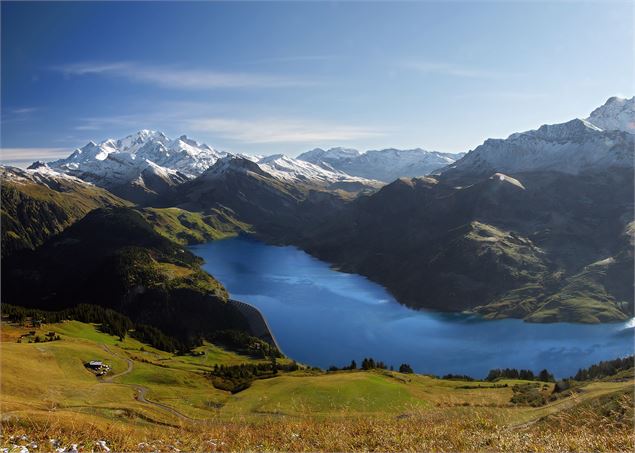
(181, 155)
(319, 155)
(149, 163)
(384, 165)
(38, 173)
(289, 170)
(233, 164)
(299, 171)
(599, 142)
(617, 114)
(143, 164)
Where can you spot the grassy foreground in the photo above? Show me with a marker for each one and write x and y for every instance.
(153, 400)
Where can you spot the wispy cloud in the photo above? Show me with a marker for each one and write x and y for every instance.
(296, 59)
(178, 77)
(20, 156)
(24, 110)
(281, 130)
(504, 95)
(101, 122)
(452, 69)
(224, 121)
(17, 114)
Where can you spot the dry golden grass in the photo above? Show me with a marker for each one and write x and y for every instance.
(580, 429)
(47, 394)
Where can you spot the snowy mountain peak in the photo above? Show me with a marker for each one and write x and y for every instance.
(616, 114)
(293, 170)
(122, 161)
(38, 173)
(231, 164)
(318, 154)
(384, 165)
(599, 142)
(38, 164)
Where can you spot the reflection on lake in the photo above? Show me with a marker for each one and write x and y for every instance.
(324, 317)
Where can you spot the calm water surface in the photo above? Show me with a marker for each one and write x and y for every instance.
(323, 317)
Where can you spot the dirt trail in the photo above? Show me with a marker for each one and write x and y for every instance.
(109, 379)
(140, 390)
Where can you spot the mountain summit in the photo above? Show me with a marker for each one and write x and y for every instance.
(384, 165)
(604, 140)
(616, 114)
(180, 155)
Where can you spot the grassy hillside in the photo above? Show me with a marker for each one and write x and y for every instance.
(185, 227)
(31, 212)
(545, 247)
(115, 259)
(165, 401)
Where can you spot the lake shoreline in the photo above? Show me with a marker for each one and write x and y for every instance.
(327, 318)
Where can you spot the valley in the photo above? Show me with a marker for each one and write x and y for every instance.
(317, 226)
(139, 253)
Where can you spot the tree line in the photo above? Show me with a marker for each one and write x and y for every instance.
(244, 343)
(236, 378)
(368, 363)
(604, 369)
(513, 373)
(110, 322)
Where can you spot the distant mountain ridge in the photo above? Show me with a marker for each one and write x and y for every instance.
(148, 164)
(603, 140)
(384, 165)
(536, 226)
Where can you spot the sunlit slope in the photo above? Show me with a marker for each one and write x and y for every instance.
(39, 376)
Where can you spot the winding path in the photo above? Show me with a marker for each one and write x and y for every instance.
(140, 390)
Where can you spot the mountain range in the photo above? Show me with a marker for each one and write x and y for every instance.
(385, 165)
(603, 140)
(538, 225)
(147, 164)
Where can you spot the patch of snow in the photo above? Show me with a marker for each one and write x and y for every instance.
(507, 179)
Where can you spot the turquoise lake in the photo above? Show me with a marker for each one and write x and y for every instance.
(323, 317)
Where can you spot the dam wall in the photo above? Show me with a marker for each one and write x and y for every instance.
(257, 322)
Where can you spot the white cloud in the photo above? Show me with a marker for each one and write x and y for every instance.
(296, 59)
(18, 156)
(503, 95)
(17, 114)
(451, 69)
(176, 77)
(24, 110)
(280, 130)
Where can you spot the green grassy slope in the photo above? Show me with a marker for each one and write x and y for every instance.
(115, 259)
(45, 385)
(32, 212)
(187, 227)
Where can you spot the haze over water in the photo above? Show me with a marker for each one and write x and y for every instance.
(323, 317)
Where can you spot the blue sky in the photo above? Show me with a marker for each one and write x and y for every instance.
(286, 77)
